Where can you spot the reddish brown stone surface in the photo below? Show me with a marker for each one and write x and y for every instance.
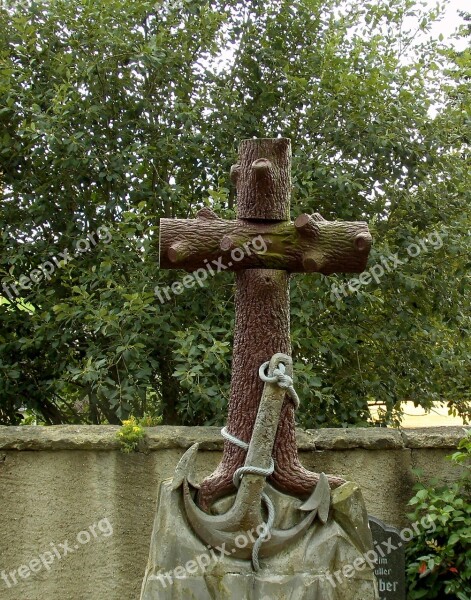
(310, 244)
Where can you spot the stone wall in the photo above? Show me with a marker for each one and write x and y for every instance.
(78, 513)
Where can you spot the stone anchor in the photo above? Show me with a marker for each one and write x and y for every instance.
(245, 516)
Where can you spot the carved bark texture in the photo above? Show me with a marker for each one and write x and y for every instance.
(263, 183)
(304, 246)
(263, 179)
(261, 330)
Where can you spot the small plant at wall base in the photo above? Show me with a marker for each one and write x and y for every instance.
(439, 562)
(130, 434)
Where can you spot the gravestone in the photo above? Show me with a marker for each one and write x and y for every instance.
(390, 569)
(261, 524)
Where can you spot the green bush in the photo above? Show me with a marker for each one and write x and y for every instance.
(132, 432)
(439, 562)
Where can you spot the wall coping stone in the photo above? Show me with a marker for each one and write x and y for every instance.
(166, 437)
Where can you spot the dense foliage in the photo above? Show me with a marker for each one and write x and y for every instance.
(114, 114)
(439, 561)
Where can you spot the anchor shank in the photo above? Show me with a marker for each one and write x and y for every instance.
(263, 438)
(259, 453)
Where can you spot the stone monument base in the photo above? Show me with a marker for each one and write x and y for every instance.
(329, 563)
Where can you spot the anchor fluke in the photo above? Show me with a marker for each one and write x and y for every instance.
(184, 467)
(319, 499)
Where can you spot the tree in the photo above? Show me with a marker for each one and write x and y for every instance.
(116, 114)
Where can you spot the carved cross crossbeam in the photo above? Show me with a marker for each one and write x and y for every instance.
(310, 244)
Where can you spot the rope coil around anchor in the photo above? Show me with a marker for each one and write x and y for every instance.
(284, 381)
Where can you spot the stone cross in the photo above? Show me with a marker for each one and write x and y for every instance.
(263, 247)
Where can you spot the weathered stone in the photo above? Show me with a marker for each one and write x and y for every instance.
(59, 437)
(318, 567)
(427, 461)
(305, 440)
(373, 438)
(167, 437)
(433, 437)
(103, 437)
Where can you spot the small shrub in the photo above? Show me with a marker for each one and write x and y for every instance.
(439, 562)
(130, 434)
